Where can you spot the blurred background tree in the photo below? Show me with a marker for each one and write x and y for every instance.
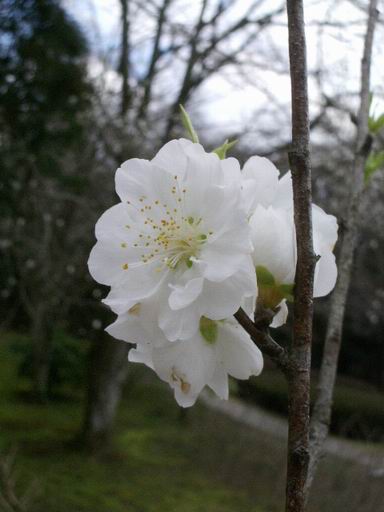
(45, 95)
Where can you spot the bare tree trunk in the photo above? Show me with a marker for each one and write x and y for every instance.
(108, 364)
(300, 349)
(124, 57)
(323, 405)
(41, 339)
(107, 373)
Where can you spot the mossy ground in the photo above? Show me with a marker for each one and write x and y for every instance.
(161, 460)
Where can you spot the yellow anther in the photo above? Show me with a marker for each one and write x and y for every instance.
(135, 310)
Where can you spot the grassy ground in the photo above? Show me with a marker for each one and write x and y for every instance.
(160, 461)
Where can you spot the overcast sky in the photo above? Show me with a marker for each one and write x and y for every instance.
(227, 101)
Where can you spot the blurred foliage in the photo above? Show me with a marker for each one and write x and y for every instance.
(374, 163)
(159, 462)
(43, 84)
(148, 468)
(357, 413)
(68, 362)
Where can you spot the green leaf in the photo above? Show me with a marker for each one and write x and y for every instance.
(221, 151)
(187, 123)
(264, 277)
(374, 163)
(375, 125)
(287, 291)
(208, 329)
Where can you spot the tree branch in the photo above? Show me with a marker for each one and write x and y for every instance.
(323, 405)
(261, 337)
(300, 349)
(156, 53)
(197, 58)
(125, 57)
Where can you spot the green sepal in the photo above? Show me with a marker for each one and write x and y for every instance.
(374, 162)
(208, 329)
(264, 277)
(189, 263)
(187, 123)
(221, 151)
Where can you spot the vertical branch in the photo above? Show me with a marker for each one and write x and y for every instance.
(187, 81)
(124, 58)
(156, 53)
(323, 405)
(300, 350)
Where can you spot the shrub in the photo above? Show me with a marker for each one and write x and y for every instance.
(68, 360)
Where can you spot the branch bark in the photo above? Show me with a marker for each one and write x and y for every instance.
(300, 349)
(156, 53)
(321, 417)
(124, 57)
(261, 337)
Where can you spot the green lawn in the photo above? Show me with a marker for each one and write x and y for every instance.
(160, 461)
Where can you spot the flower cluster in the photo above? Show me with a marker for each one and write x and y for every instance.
(193, 239)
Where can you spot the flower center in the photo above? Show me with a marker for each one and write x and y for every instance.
(180, 242)
(168, 234)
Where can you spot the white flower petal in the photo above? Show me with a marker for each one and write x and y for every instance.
(133, 179)
(141, 355)
(219, 382)
(218, 266)
(232, 172)
(173, 156)
(182, 296)
(240, 356)
(281, 316)
(325, 275)
(260, 182)
(180, 324)
(127, 328)
(222, 300)
(138, 284)
(187, 366)
(324, 230)
(284, 196)
(106, 264)
(273, 238)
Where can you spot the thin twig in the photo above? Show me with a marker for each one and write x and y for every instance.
(300, 349)
(263, 340)
(323, 405)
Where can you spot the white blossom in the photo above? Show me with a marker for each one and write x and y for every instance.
(218, 349)
(179, 231)
(274, 239)
(191, 241)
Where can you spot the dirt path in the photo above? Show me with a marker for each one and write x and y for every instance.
(367, 454)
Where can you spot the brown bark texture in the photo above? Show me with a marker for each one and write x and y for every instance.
(300, 348)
